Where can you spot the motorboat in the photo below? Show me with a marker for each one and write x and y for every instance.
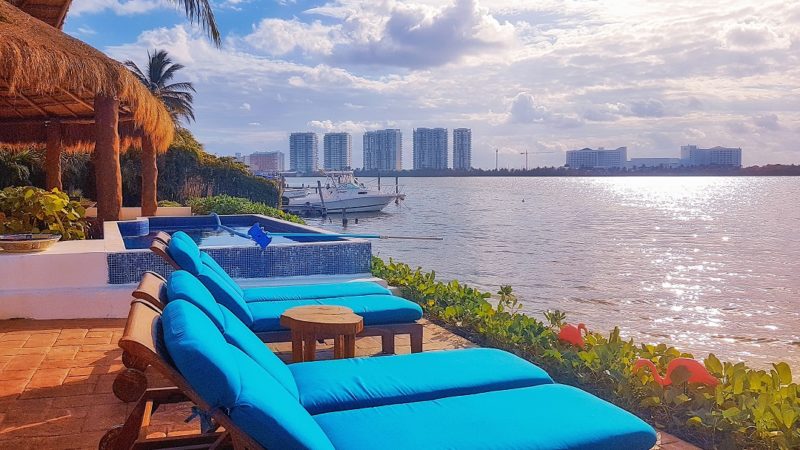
(343, 192)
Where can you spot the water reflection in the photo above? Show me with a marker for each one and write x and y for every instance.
(707, 264)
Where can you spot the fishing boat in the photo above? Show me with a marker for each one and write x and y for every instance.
(343, 192)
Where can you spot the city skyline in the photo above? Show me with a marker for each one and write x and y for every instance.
(543, 77)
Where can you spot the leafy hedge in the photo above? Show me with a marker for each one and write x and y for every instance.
(748, 409)
(29, 209)
(225, 204)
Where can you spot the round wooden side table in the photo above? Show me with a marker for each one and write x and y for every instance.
(310, 323)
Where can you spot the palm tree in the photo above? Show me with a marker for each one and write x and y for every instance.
(178, 98)
(199, 11)
(161, 70)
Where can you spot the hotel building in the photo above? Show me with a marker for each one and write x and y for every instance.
(601, 158)
(430, 148)
(337, 151)
(268, 162)
(383, 150)
(462, 149)
(691, 155)
(303, 153)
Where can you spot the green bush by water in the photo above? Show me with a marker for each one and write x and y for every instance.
(749, 408)
(225, 204)
(29, 209)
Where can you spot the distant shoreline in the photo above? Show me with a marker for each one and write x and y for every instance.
(771, 170)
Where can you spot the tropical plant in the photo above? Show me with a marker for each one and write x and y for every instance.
(16, 167)
(225, 204)
(29, 209)
(177, 96)
(749, 408)
(200, 12)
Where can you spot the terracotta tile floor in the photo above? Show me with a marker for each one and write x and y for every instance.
(56, 377)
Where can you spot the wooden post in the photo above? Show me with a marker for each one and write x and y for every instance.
(107, 171)
(53, 155)
(149, 177)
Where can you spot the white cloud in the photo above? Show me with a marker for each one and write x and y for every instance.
(245, 106)
(649, 75)
(119, 7)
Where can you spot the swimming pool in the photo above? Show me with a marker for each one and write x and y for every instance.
(321, 254)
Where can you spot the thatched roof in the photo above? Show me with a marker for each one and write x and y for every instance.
(51, 12)
(46, 75)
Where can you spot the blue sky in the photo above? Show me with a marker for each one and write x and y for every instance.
(544, 76)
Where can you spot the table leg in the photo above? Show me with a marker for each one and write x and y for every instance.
(297, 346)
(310, 347)
(350, 346)
(338, 347)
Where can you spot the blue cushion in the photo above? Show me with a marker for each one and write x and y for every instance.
(214, 265)
(185, 252)
(183, 286)
(227, 378)
(549, 416)
(224, 294)
(314, 291)
(341, 384)
(375, 309)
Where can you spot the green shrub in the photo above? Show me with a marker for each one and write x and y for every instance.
(748, 409)
(32, 210)
(225, 204)
(169, 204)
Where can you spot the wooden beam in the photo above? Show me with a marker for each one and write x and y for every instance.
(64, 121)
(107, 170)
(35, 106)
(53, 155)
(63, 105)
(13, 108)
(77, 99)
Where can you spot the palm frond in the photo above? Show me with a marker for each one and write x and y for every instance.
(200, 12)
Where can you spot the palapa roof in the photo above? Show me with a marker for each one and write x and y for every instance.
(46, 75)
(51, 12)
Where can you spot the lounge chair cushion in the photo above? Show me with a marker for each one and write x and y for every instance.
(214, 265)
(352, 383)
(185, 252)
(227, 378)
(542, 417)
(375, 309)
(314, 291)
(185, 287)
(223, 293)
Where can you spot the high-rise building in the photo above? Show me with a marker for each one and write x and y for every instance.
(462, 149)
(303, 152)
(269, 162)
(383, 150)
(691, 155)
(430, 148)
(337, 149)
(601, 158)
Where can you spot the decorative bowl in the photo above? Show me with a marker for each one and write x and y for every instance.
(27, 242)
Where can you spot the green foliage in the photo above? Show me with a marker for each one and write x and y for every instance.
(20, 168)
(168, 204)
(225, 204)
(748, 409)
(32, 210)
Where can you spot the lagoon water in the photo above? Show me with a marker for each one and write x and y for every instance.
(708, 264)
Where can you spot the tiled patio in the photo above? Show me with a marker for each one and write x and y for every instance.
(56, 378)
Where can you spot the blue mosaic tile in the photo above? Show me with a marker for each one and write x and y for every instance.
(331, 258)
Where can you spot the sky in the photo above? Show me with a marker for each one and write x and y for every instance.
(540, 76)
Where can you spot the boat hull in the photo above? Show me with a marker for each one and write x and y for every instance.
(366, 203)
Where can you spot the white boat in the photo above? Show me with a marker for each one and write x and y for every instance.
(342, 191)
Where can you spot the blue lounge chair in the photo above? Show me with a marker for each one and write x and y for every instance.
(465, 399)
(384, 314)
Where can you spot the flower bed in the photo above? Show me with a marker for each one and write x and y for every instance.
(749, 408)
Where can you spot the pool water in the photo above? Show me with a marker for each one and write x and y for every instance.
(204, 237)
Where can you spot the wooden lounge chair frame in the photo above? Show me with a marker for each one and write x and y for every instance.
(140, 341)
(131, 382)
(387, 332)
